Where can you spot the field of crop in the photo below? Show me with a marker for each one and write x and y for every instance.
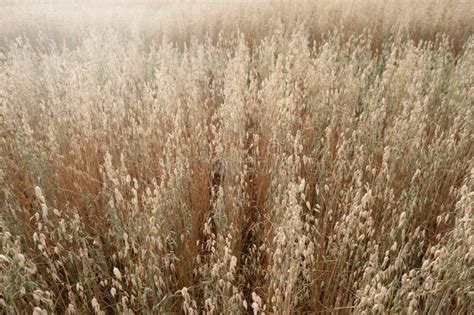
(239, 157)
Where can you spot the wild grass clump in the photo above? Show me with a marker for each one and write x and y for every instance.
(272, 158)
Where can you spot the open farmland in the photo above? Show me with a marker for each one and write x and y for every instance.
(237, 157)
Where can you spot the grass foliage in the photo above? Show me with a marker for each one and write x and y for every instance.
(229, 158)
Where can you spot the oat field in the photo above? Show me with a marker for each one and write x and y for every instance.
(237, 157)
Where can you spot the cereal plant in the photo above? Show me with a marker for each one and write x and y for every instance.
(237, 157)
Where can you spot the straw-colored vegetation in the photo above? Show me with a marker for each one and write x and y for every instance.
(277, 158)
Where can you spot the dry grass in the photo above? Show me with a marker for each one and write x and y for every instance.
(276, 158)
